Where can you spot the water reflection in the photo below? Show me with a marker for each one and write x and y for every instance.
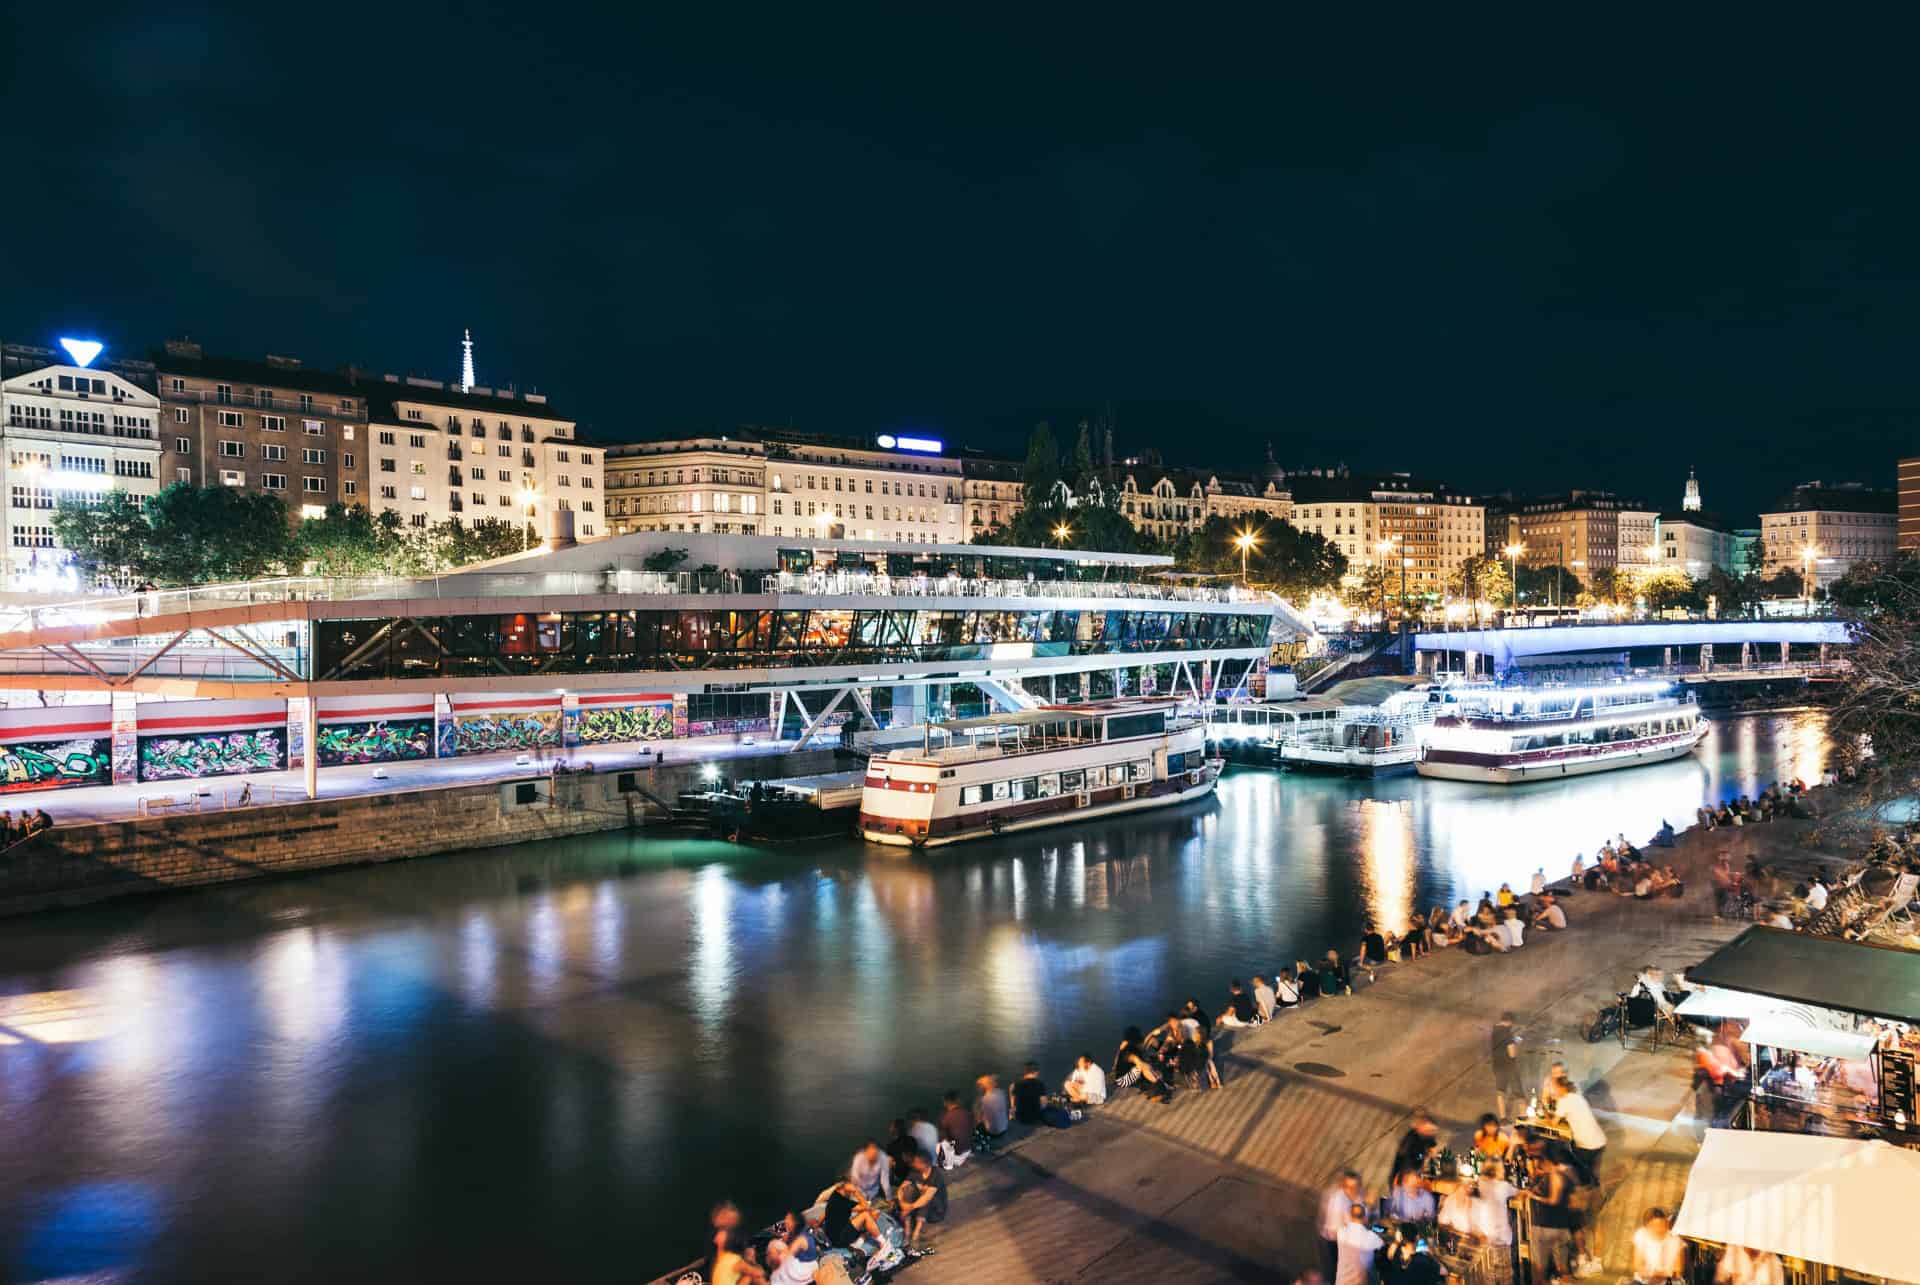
(587, 1038)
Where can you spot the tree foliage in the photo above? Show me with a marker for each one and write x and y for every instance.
(1880, 692)
(1291, 562)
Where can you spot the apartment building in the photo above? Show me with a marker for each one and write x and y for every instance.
(1393, 521)
(72, 428)
(437, 452)
(899, 488)
(1831, 526)
(1637, 550)
(1694, 540)
(1166, 503)
(1907, 479)
(1584, 531)
(715, 484)
(270, 425)
(994, 491)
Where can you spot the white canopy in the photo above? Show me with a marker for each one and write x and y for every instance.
(1781, 1032)
(1838, 1201)
(1714, 1001)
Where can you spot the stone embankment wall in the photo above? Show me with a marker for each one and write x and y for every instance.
(78, 864)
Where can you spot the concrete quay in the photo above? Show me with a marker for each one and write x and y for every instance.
(1224, 1186)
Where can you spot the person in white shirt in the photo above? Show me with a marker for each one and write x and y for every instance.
(1462, 916)
(1340, 1198)
(1741, 1266)
(1653, 984)
(1358, 1244)
(1285, 993)
(1489, 1217)
(1817, 897)
(1087, 1085)
(1539, 884)
(1589, 1140)
(1515, 930)
(1658, 1254)
(1263, 999)
(1456, 1210)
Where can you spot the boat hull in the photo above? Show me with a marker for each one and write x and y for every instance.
(1209, 778)
(1501, 770)
(1345, 762)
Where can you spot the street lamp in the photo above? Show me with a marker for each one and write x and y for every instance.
(1383, 549)
(1061, 534)
(529, 498)
(1513, 552)
(1808, 556)
(1246, 540)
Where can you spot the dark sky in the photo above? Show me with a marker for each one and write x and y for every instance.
(1512, 256)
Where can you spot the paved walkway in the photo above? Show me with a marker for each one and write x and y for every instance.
(117, 802)
(1223, 1186)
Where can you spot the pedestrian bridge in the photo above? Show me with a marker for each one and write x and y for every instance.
(1659, 643)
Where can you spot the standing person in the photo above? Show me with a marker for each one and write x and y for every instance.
(1358, 1244)
(1742, 1266)
(1552, 1217)
(1339, 1198)
(1589, 1140)
(1411, 1200)
(1416, 1144)
(1659, 1256)
(1504, 1052)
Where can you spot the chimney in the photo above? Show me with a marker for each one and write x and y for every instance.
(183, 348)
(560, 531)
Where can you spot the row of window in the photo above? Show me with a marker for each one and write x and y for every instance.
(227, 395)
(1049, 784)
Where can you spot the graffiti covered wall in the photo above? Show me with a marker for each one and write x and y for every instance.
(191, 756)
(487, 733)
(601, 725)
(55, 765)
(381, 740)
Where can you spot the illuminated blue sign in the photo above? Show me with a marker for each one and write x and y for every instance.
(83, 351)
(925, 445)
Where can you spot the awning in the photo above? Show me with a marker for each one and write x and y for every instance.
(1826, 972)
(1837, 1201)
(1782, 1032)
(1711, 1001)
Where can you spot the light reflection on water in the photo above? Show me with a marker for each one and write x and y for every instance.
(587, 1056)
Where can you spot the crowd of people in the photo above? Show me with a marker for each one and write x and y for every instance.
(1775, 801)
(25, 826)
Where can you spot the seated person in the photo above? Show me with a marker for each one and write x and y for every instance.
(1029, 1095)
(848, 1216)
(1489, 1139)
(1264, 1001)
(1086, 1086)
(1410, 1201)
(1286, 992)
(1550, 917)
(1239, 1010)
(923, 1200)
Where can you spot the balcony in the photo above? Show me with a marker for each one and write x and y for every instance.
(453, 451)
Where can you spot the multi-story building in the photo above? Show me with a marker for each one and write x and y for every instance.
(1580, 530)
(72, 430)
(712, 484)
(1637, 550)
(438, 452)
(995, 492)
(1166, 503)
(900, 488)
(271, 426)
(1908, 480)
(1832, 526)
(1394, 522)
(1693, 540)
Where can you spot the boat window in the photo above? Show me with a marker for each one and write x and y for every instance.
(1049, 785)
(971, 794)
(1123, 725)
(1073, 782)
(1000, 789)
(1096, 778)
(1140, 769)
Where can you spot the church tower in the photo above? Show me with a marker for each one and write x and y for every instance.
(1691, 503)
(466, 363)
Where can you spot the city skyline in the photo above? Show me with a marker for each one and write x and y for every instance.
(1550, 275)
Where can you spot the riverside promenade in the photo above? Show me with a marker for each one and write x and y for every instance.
(1224, 1186)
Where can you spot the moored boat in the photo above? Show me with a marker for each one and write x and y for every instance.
(1039, 767)
(1536, 734)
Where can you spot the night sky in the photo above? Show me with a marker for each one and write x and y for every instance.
(1527, 256)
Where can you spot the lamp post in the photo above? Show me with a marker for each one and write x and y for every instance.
(1383, 549)
(1513, 552)
(1061, 534)
(1245, 540)
(1808, 556)
(529, 498)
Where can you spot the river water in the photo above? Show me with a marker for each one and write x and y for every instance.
(551, 1058)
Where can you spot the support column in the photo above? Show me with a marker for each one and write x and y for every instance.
(1666, 658)
(1706, 657)
(1786, 653)
(1746, 655)
(310, 733)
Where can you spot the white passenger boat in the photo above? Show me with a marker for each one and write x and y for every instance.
(1253, 730)
(976, 777)
(1536, 734)
(1369, 744)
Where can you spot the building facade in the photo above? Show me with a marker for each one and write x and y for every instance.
(1831, 526)
(995, 492)
(1581, 530)
(1908, 481)
(72, 431)
(710, 484)
(437, 453)
(1396, 523)
(1637, 550)
(1166, 503)
(1693, 540)
(271, 426)
(841, 489)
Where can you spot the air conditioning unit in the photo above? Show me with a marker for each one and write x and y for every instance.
(1126, 791)
(1082, 799)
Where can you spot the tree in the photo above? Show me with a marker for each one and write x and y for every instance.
(209, 534)
(1042, 473)
(482, 540)
(1085, 475)
(1667, 588)
(663, 560)
(1291, 562)
(1483, 579)
(1880, 691)
(342, 542)
(109, 538)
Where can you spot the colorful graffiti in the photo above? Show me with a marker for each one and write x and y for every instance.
(188, 758)
(599, 726)
(380, 741)
(55, 765)
(490, 733)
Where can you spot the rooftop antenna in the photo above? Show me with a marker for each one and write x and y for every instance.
(466, 362)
